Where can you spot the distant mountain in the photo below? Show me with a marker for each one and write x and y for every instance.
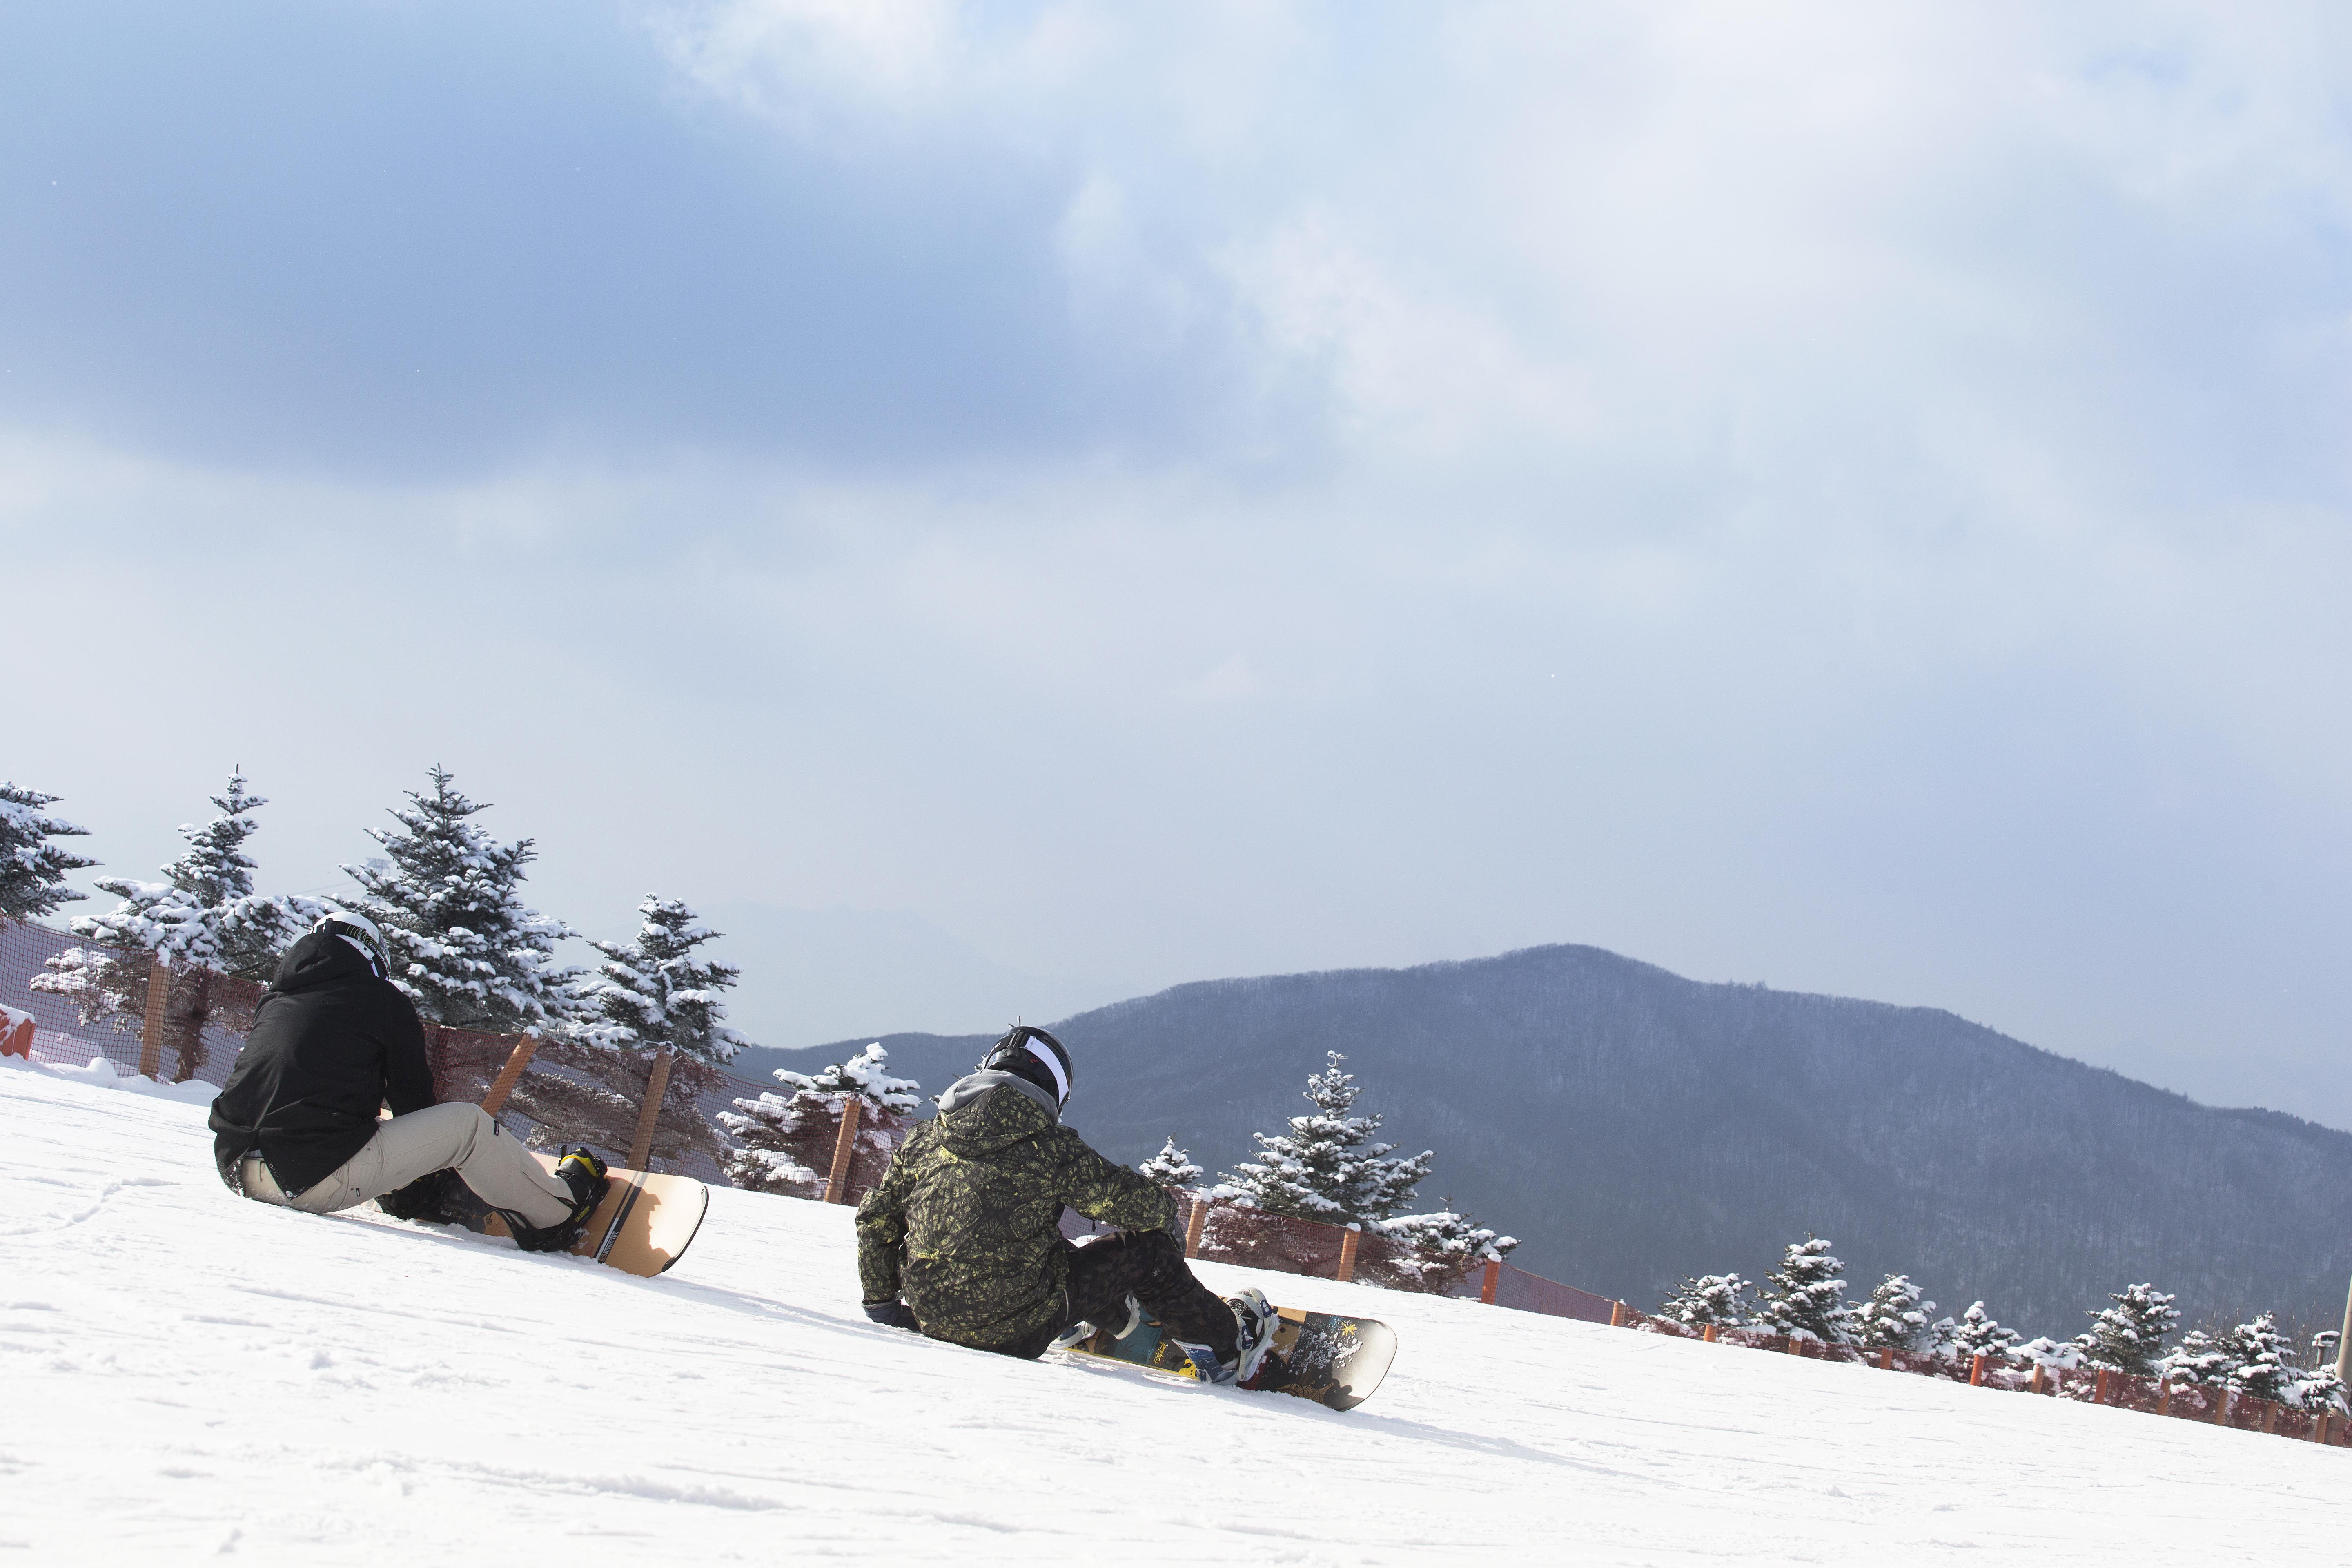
(1632, 1127)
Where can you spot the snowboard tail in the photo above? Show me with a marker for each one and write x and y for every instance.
(1334, 1361)
(644, 1226)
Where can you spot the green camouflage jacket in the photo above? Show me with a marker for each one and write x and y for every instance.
(965, 1228)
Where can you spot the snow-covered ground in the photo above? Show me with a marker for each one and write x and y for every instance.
(184, 1374)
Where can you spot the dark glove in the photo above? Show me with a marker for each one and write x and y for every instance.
(421, 1199)
(892, 1314)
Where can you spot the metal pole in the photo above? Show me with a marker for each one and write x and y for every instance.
(2344, 1344)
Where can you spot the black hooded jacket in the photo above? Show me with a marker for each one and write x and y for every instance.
(331, 1042)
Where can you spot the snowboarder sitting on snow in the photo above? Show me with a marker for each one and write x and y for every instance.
(332, 1039)
(962, 1239)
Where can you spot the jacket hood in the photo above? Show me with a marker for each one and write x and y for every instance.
(986, 1111)
(320, 960)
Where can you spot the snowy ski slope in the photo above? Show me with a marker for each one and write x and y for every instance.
(185, 1375)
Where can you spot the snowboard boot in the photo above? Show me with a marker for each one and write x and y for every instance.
(1081, 1332)
(1254, 1325)
(584, 1174)
(1257, 1320)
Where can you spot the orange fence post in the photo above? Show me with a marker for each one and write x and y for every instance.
(1886, 1358)
(2038, 1383)
(2099, 1395)
(151, 1028)
(641, 1147)
(1195, 1226)
(2163, 1396)
(1706, 1334)
(1347, 1240)
(836, 1186)
(2221, 1407)
(511, 1074)
(1616, 1314)
(1976, 1370)
(1493, 1280)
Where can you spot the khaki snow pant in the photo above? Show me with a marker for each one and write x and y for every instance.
(466, 1138)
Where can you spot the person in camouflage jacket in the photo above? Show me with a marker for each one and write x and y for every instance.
(962, 1238)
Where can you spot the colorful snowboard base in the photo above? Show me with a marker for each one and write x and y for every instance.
(644, 1226)
(1333, 1360)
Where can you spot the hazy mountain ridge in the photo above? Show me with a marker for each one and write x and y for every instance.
(1632, 1126)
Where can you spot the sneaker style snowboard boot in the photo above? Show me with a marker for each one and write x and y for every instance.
(583, 1173)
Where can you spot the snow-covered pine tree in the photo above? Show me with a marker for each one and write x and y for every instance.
(1171, 1167)
(203, 919)
(2128, 1334)
(2319, 1388)
(1979, 1333)
(1703, 1299)
(464, 948)
(1325, 1167)
(204, 911)
(2197, 1359)
(2264, 1359)
(655, 993)
(1895, 1317)
(32, 869)
(787, 1139)
(1442, 1247)
(1805, 1297)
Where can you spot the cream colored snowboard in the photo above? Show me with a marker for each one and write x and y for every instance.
(644, 1226)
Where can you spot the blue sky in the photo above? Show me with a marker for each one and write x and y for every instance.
(1009, 507)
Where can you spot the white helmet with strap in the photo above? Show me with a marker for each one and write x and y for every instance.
(361, 933)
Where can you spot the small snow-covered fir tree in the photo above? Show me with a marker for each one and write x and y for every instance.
(1171, 1167)
(2197, 1359)
(463, 946)
(787, 1141)
(1327, 1167)
(204, 911)
(1718, 1298)
(1979, 1333)
(32, 869)
(655, 993)
(2057, 1354)
(2262, 1359)
(1443, 1246)
(1896, 1316)
(2319, 1388)
(1805, 1297)
(2128, 1335)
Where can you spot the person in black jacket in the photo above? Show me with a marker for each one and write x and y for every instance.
(331, 1041)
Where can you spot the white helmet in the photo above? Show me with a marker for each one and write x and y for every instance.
(360, 931)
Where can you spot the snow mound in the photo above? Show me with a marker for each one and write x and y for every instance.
(190, 1374)
(101, 1073)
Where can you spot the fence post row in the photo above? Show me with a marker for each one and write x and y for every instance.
(641, 1147)
(150, 1027)
(836, 1186)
